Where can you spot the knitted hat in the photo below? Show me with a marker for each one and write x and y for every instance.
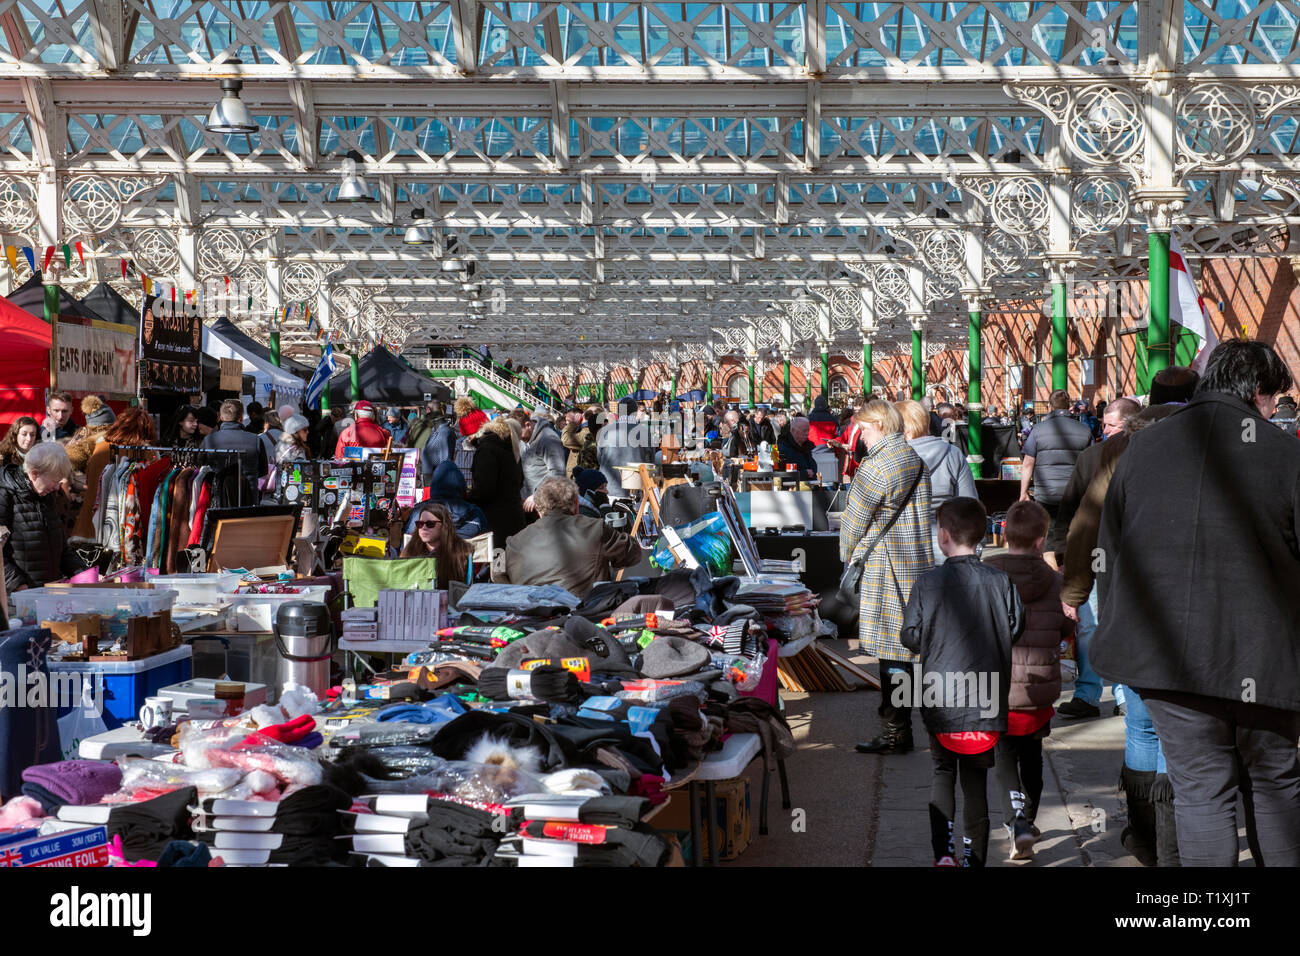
(578, 638)
(589, 479)
(672, 657)
(295, 423)
(96, 411)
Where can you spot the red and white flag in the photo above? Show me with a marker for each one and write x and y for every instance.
(1186, 306)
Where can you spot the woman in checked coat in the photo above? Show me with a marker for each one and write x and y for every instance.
(880, 488)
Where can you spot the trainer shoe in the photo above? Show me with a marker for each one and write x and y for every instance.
(1074, 707)
(945, 861)
(1022, 840)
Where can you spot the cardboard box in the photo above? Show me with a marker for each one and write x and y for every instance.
(731, 819)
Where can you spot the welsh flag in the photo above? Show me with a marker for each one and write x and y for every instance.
(1186, 306)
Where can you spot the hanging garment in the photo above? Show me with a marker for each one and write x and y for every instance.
(203, 502)
(178, 527)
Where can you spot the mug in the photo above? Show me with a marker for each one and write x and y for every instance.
(206, 708)
(156, 712)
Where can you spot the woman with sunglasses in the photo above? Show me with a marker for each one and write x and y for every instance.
(435, 536)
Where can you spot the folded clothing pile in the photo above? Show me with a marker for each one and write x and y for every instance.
(146, 827)
(428, 831)
(77, 782)
(298, 830)
(576, 831)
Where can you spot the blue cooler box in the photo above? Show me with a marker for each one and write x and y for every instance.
(127, 684)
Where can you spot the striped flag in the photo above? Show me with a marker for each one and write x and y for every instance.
(320, 378)
(1186, 307)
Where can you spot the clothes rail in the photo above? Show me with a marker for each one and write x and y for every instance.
(186, 452)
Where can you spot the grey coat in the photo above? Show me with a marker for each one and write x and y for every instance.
(543, 457)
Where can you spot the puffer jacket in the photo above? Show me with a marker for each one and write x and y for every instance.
(288, 448)
(544, 457)
(36, 551)
(498, 479)
(448, 489)
(1036, 657)
(962, 618)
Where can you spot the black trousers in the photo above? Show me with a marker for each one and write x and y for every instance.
(1216, 748)
(896, 693)
(1019, 764)
(973, 771)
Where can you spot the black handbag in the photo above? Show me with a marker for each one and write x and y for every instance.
(851, 576)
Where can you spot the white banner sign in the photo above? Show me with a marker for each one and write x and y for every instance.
(97, 358)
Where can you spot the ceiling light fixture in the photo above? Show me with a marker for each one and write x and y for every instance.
(420, 231)
(230, 115)
(352, 188)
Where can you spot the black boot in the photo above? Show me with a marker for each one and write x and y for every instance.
(1139, 837)
(895, 737)
(1162, 797)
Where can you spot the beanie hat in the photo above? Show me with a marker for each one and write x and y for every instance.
(669, 656)
(96, 411)
(295, 423)
(589, 479)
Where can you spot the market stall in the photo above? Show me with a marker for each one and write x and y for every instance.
(385, 378)
(268, 378)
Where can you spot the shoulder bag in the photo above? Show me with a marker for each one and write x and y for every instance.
(851, 577)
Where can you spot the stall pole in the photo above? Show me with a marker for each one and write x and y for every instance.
(826, 374)
(708, 386)
(974, 409)
(785, 391)
(275, 348)
(918, 367)
(751, 383)
(1060, 341)
(52, 317)
(866, 368)
(1158, 329)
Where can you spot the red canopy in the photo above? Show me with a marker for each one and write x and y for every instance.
(24, 363)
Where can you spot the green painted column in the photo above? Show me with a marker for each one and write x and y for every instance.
(603, 400)
(918, 367)
(1060, 339)
(751, 384)
(275, 348)
(826, 374)
(708, 386)
(1158, 290)
(354, 377)
(974, 406)
(785, 391)
(866, 368)
(673, 396)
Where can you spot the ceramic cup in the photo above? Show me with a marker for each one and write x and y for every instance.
(156, 712)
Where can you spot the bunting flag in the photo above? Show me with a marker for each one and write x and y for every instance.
(67, 255)
(173, 290)
(123, 270)
(11, 253)
(81, 256)
(30, 254)
(147, 283)
(49, 254)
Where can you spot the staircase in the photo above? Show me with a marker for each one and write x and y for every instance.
(487, 387)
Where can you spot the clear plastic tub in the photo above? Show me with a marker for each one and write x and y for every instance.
(256, 612)
(63, 604)
(210, 588)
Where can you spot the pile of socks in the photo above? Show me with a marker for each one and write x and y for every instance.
(426, 831)
(298, 830)
(575, 831)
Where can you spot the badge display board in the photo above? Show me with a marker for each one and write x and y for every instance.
(322, 486)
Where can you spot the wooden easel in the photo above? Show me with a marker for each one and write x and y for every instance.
(652, 490)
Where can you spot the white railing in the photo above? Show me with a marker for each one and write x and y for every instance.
(491, 375)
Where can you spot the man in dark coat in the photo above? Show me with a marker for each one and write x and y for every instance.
(231, 436)
(1050, 452)
(1199, 607)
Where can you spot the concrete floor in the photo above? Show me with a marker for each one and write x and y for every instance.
(850, 809)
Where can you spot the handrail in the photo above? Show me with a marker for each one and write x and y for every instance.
(499, 381)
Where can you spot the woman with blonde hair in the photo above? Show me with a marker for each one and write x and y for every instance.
(950, 475)
(886, 528)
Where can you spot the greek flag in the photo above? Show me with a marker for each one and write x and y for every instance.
(320, 378)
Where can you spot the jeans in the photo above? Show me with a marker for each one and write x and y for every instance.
(1087, 687)
(1216, 749)
(1142, 750)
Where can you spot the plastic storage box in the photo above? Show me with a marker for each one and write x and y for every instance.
(256, 612)
(127, 684)
(249, 657)
(62, 604)
(198, 588)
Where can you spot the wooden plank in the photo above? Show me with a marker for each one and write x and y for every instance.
(849, 666)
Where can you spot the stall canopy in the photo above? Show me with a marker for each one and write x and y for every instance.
(232, 334)
(24, 363)
(104, 301)
(385, 378)
(30, 297)
(269, 378)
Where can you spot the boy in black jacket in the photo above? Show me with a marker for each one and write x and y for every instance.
(962, 618)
